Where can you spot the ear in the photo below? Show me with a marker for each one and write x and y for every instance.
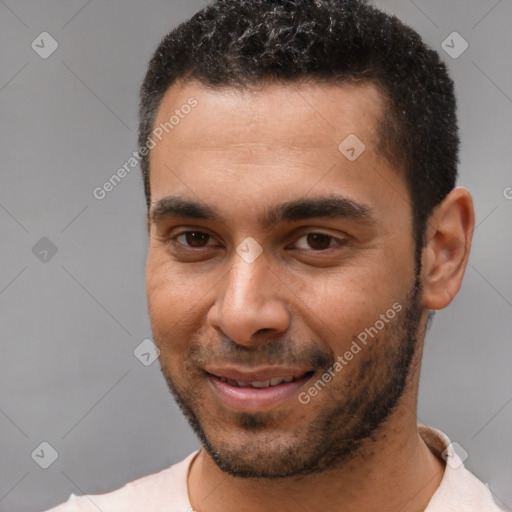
(448, 241)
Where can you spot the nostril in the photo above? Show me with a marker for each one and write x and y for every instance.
(264, 330)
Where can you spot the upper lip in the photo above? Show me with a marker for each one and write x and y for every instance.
(256, 374)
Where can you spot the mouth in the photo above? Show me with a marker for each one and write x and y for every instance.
(259, 384)
(258, 390)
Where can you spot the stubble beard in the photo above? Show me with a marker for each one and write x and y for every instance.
(372, 386)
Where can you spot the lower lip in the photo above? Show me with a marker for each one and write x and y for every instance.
(254, 399)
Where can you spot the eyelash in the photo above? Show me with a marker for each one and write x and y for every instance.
(339, 242)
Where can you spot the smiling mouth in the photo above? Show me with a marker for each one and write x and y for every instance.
(262, 384)
(257, 391)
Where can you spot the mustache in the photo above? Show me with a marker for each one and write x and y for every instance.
(269, 353)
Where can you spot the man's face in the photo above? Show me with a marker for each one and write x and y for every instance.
(253, 304)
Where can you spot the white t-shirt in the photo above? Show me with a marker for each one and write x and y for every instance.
(166, 491)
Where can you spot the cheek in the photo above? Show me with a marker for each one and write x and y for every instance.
(167, 304)
(342, 305)
(168, 284)
(177, 305)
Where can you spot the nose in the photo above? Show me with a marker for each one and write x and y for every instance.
(251, 299)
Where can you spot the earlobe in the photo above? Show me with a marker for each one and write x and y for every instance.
(445, 257)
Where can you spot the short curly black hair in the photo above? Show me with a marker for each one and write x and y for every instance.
(240, 43)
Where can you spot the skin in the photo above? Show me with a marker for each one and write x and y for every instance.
(302, 297)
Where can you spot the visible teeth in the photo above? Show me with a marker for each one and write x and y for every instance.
(258, 384)
(261, 384)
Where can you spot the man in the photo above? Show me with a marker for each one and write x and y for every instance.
(299, 161)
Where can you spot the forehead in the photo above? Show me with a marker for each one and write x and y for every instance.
(276, 114)
(243, 151)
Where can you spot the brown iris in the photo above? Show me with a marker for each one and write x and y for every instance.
(318, 241)
(195, 238)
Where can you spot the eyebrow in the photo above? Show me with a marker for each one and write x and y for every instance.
(299, 209)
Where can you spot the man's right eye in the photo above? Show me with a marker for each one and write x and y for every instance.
(193, 239)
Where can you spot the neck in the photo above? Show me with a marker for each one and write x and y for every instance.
(395, 468)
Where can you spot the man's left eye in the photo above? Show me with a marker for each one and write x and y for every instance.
(319, 241)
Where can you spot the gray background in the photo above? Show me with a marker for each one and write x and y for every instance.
(70, 324)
